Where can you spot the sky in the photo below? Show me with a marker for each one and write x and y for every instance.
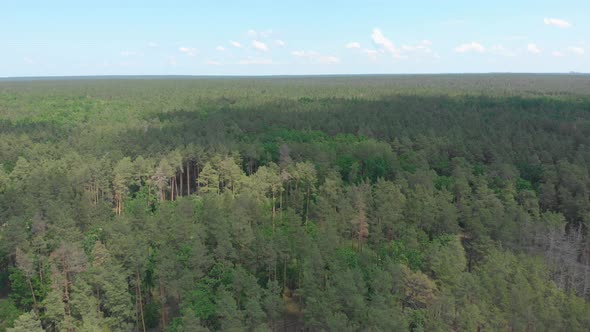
(284, 37)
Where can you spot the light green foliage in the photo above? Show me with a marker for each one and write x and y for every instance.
(209, 179)
(3, 179)
(446, 260)
(108, 279)
(27, 322)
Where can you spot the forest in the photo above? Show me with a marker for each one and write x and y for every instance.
(329, 203)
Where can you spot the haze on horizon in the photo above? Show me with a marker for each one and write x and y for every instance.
(67, 38)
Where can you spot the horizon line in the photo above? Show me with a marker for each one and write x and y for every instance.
(188, 76)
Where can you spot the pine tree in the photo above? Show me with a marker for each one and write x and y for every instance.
(27, 322)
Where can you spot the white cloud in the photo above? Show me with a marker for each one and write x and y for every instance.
(383, 42)
(252, 33)
(172, 61)
(385, 46)
(533, 48)
(280, 43)
(302, 54)
(213, 63)
(576, 50)
(470, 47)
(255, 61)
(353, 45)
(316, 58)
(235, 44)
(557, 54)
(328, 60)
(259, 46)
(220, 48)
(371, 54)
(190, 51)
(423, 47)
(28, 60)
(152, 44)
(499, 49)
(556, 22)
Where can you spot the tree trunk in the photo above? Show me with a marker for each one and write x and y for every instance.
(138, 283)
(162, 306)
(97, 302)
(95, 192)
(188, 178)
(307, 205)
(284, 273)
(40, 266)
(33, 294)
(197, 177)
(172, 182)
(273, 212)
(281, 201)
(66, 298)
(181, 191)
(136, 326)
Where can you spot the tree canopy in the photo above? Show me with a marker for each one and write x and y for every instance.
(369, 203)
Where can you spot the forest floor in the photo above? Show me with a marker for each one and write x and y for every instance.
(293, 319)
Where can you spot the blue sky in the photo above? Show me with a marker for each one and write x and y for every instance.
(60, 38)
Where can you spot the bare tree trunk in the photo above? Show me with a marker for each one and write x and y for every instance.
(41, 272)
(95, 192)
(138, 283)
(273, 212)
(281, 202)
(307, 205)
(188, 177)
(33, 294)
(172, 182)
(181, 191)
(66, 297)
(136, 326)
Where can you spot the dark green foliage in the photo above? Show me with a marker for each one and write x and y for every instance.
(8, 314)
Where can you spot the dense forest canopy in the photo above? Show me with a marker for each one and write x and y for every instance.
(365, 203)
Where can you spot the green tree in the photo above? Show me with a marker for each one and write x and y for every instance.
(209, 179)
(447, 260)
(123, 175)
(27, 322)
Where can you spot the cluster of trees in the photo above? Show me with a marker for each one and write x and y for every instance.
(401, 212)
